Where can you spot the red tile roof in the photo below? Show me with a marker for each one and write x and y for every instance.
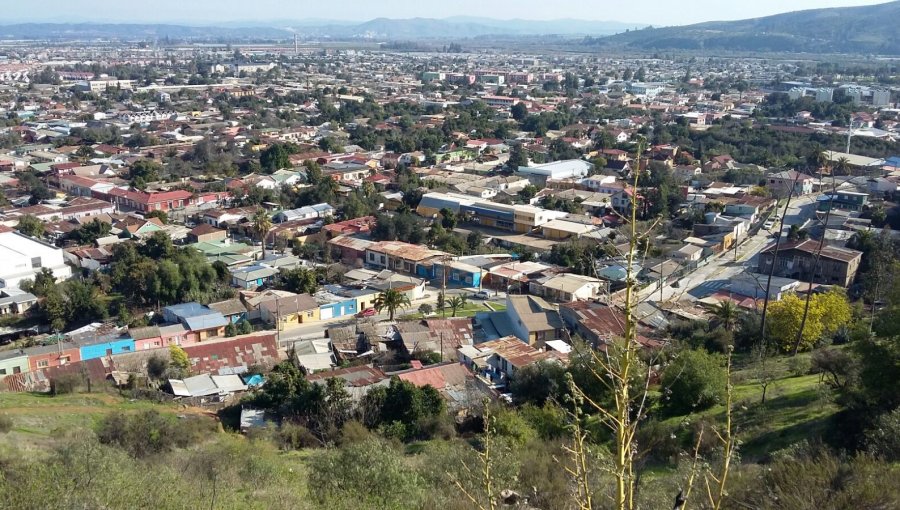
(257, 349)
(437, 376)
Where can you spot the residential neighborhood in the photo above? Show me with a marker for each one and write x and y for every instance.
(451, 246)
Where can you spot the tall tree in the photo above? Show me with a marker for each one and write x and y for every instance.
(726, 313)
(31, 226)
(262, 224)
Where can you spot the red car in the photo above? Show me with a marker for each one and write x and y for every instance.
(368, 312)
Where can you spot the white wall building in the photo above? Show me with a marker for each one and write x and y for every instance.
(24, 257)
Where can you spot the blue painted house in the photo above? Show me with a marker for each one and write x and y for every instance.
(98, 340)
(332, 306)
(106, 347)
(458, 273)
(251, 277)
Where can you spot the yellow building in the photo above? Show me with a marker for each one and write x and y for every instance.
(290, 312)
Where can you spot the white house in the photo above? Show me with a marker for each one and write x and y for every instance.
(305, 213)
(595, 182)
(567, 287)
(558, 170)
(23, 257)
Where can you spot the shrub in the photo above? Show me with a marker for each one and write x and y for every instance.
(548, 421)
(180, 358)
(149, 432)
(354, 432)
(798, 366)
(157, 366)
(292, 436)
(693, 381)
(395, 430)
(66, 383)
(372, 474)
(6, 424)
(883, 440)
(508, 423)
(435, 427)
(425, 309)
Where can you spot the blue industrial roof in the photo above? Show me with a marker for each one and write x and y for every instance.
(208, 321)
(185, 310)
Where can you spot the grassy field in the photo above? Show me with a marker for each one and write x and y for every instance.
(797, 407)
(38, 418)
(469, 310)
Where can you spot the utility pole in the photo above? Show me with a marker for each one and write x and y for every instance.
(662, 280)
(444, 286)
(277, 321)
(737, 237)
(775, 260)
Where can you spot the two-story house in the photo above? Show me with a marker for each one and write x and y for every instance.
(836, 266)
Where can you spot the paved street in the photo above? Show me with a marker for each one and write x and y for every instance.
(317, 330)
(716, 275)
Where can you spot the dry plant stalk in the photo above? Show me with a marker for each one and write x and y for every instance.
(486, 461)
(715, 490)
(580, 468)
(618, 367)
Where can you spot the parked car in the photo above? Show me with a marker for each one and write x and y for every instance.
(768, 225)
(482, 294)
(368, 312)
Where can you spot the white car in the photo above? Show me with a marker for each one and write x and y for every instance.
(768, 225)
(482, 294)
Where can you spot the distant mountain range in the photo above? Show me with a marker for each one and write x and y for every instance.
(867, 29)
(380, 28)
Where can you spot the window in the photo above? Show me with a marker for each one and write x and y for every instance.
(126, 348)
(214, 357)
(2, 371)
(63, 360)
(36, 262)
(43, 363)
(17, 370)
(309, 314)
(371, 256)
(382, 259)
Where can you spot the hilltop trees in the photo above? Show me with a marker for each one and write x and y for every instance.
(158, 274)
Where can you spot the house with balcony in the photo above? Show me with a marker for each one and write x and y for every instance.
(401, 257)
(843, 200)
(798, 261)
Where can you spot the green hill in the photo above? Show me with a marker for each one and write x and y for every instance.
(867, 29)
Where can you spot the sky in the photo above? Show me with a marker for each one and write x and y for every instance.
(204, 12)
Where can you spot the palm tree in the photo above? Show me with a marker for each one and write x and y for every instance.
(842, 164)
(262, 224)
(392, 300)
(455, 303)
(726, 313)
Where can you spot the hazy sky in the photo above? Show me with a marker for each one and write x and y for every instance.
(655, 12)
